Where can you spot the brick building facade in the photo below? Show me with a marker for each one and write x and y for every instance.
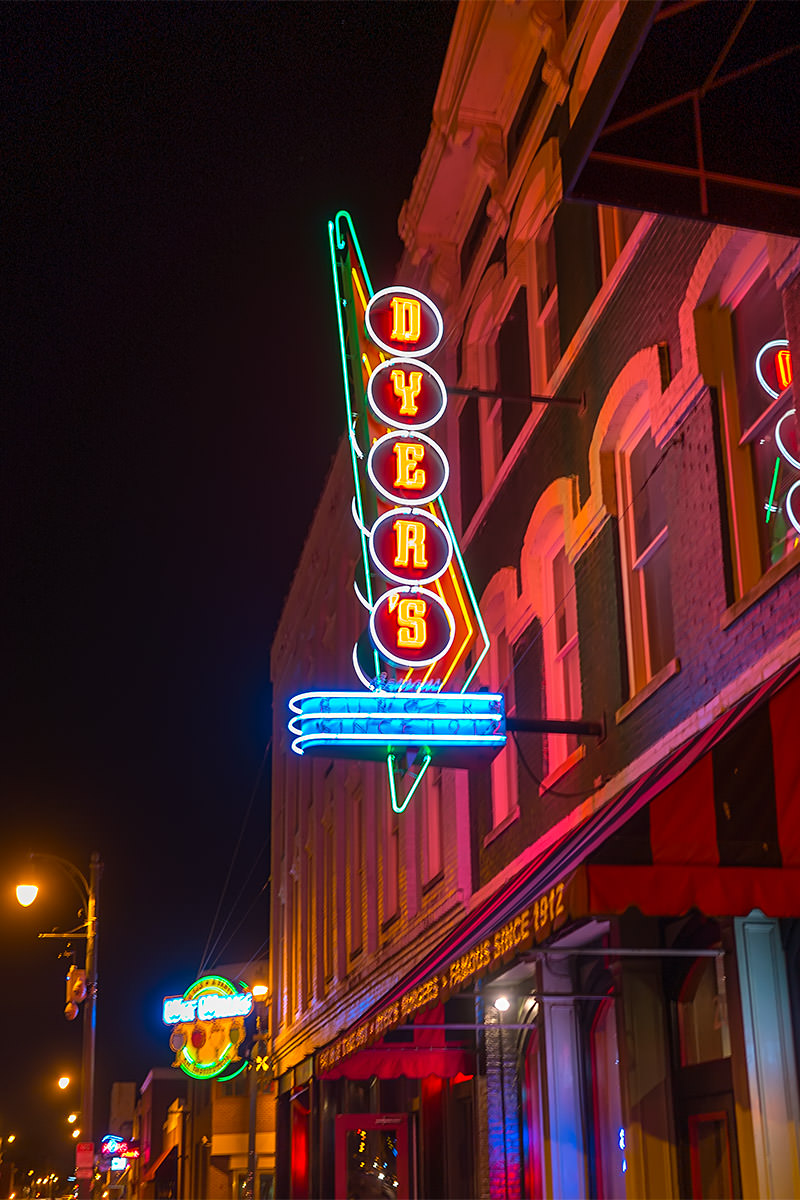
(574, 971)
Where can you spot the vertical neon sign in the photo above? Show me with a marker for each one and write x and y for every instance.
(424, 631)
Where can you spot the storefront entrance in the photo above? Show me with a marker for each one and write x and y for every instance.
(372, 1156)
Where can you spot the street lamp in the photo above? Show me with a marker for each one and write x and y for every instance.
(88, 891)
(259, 1061)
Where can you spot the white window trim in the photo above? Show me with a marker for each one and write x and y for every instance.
(497, 606)
(640, 667)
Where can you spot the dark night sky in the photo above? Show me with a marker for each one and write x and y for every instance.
(171, 400)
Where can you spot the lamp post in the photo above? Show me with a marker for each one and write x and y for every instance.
(88, 891)
(259, 1061)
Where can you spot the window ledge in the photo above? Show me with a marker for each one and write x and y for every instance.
(667, 671)
(433, 882)
(773, 575)
(505, 824)
(562, 769)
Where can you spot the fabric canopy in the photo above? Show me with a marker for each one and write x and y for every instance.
(714, 825)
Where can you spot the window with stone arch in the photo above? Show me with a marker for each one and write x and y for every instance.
(624, 438)
(733, 310)
(548, 592)
(497, 674)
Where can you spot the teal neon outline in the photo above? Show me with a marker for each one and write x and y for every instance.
(349, 405)
(774, 484)
(426, 762)
(335, 235)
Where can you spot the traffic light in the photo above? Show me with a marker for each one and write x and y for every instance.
(76, 991)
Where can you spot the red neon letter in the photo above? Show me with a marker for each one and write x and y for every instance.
(412, 633)
(410, 540)
(408, 454)
(407, 392)
(407, 323)
(783, 367)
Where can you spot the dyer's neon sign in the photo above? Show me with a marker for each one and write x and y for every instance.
(425, 632)
(208, 1027)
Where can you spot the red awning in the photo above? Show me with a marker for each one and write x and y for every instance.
(715, 825)
(391, 1061)
(716, 891)
(428, 1054)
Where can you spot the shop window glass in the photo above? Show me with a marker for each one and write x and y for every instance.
(610, 1136)
(646, 564)
(532, 1133)
(702, 1024)
(758, 320)
(710, 1149)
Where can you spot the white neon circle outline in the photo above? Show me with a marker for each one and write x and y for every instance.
(395, 658)
(393, 512)
(357, 668)
(768, 346)
(789, 509)
(393, 363)
(417, 501)
(789, 457)
(403, 291)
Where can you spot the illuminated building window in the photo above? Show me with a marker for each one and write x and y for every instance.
(329, 902)
(431, 827)
(497, 673)
(562, 657)
(737, 311)
(391, 863)
(757, 320)
(548, 331)
(309, 940)
(355, 875)
(499, 361)
(295, 985)
(615, 225)
(548, 590)
(645, 552)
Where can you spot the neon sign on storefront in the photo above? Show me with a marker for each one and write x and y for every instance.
(424, 625)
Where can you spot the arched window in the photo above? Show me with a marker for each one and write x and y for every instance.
(548, 592)
(497, 674)
(645, 550)
(742, 353)
(623, 438)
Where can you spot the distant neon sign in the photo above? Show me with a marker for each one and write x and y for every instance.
(425, 633)
(208, 1027)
